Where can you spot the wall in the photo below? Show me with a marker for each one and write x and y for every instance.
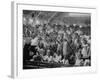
(5, 38)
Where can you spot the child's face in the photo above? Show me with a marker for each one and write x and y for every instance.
(48, 52)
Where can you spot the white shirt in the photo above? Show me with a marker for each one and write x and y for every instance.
(65, 48)
(34, 41)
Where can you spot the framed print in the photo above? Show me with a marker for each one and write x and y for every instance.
(52, 40)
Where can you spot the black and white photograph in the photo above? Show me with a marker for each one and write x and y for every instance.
(54, 39)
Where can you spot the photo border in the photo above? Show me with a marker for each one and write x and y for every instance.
(17, 69)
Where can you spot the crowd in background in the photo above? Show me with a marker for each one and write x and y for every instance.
(57, 43)
(51, 37)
